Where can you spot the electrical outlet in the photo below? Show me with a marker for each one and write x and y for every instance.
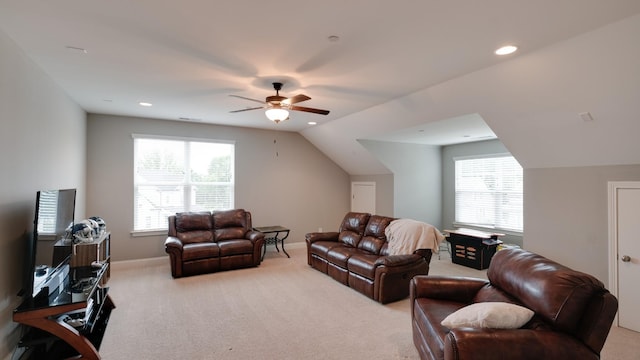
(320, 229)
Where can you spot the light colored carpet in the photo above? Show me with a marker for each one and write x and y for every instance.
(281, 310)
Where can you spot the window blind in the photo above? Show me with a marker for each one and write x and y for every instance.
(488, 193)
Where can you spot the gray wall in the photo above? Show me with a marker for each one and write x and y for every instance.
(43, 146)
(449, 153)
(566, 214)
(287, 183)
(417, 178)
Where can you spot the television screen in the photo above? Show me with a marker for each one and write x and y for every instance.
(49, 250)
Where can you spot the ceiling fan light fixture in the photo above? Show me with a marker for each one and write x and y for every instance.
(277, 114)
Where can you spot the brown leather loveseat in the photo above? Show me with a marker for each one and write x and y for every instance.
(357, 256)
(204, 242)
(572, 312)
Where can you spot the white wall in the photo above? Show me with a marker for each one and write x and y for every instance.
(288, 183)
(43, 146)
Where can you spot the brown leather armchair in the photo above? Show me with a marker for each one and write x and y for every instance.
(573, 311)
(204, 242)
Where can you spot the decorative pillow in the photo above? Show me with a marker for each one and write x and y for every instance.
(494, 315)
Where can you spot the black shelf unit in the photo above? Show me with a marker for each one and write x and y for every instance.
(47, 334)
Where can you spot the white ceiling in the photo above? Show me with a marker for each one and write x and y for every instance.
(187, 56)
(456, 130)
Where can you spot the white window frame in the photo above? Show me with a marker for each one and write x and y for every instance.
(188, 184)
(493, 227)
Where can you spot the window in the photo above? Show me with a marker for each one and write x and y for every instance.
(489, 192)
(174, 175)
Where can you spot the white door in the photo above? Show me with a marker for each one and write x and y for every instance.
(363, 197)
(626, 223)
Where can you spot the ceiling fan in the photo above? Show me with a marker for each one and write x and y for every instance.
(278, 106)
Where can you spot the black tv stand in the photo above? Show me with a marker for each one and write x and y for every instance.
(72, 324)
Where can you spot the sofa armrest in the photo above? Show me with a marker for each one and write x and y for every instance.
(516, 344)
(425, 253)
(173, 243)
(321, 236)
(397, 260)
(254, 235)
(173, 247)
(460, 289)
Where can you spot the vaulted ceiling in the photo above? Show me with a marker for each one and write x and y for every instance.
(414, 71)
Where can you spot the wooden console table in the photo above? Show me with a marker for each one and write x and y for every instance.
(271, 237)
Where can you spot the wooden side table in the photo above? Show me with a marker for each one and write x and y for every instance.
(271, 237)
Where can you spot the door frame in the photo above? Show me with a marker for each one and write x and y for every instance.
(613, 187)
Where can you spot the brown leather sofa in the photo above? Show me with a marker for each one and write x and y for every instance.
(573, 312)
(204, 242)
(357, 256)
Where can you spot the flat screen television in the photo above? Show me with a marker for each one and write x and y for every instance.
(48, 251)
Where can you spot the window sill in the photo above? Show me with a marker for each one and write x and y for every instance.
(144, 233)
(488, 229)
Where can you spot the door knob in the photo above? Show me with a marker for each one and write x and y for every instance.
(626, 258)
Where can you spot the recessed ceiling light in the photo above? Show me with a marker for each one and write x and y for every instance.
(142, 103)
(312, 123)
(506, 50)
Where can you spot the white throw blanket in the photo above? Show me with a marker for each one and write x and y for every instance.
(407, 235)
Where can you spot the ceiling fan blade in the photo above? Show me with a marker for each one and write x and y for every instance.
(296, 99)
(247, 109)
(311, 110)
(246, 98)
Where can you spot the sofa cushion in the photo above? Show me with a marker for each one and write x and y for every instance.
(340, 255)
(189, 221)
(561, 294)
(374, 234)
(194, 227)
(352, 228)
(230, 224)
(230, 233)
(197, 251)
(492, 315)
(363, 265)
(491, 293)
(322, 247)
(235, 247)
(384, 251)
